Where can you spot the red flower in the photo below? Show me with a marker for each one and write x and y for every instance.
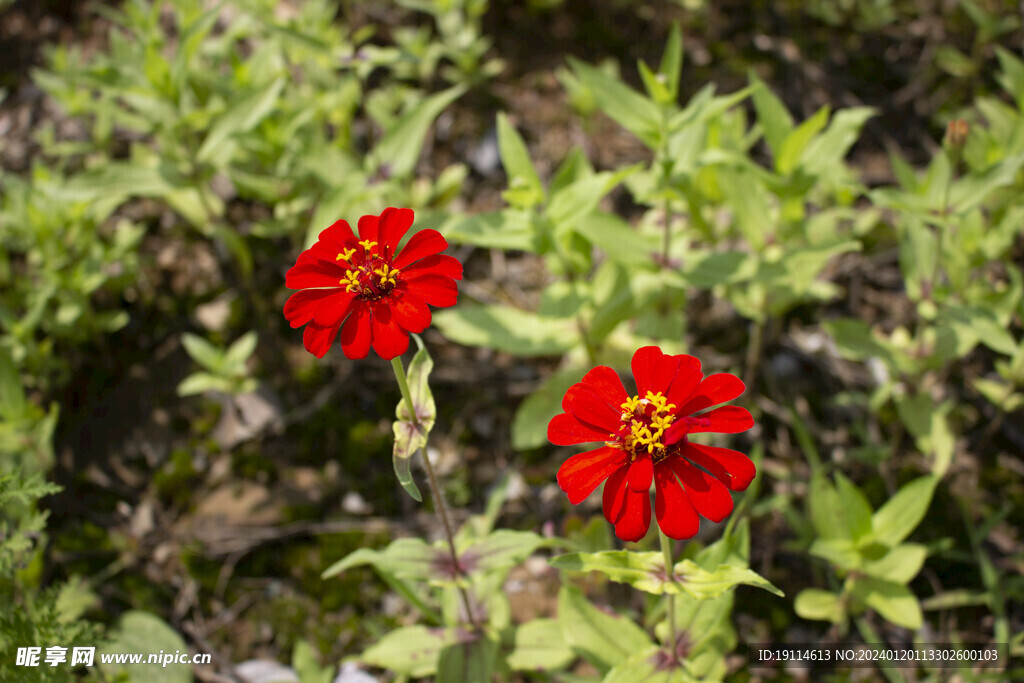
(365, 287)
(646, 438)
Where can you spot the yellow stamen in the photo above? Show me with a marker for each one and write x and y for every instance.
(645, 430)
(351, 281)
(368, 244)
(387, 275)
(345, 255)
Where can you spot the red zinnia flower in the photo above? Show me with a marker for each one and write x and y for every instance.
(365, 287)
(646, 438)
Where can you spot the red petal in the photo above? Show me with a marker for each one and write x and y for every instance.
(591, 408)
(394, 223)
(565, 430)
(636, 517)
(302, 305)
(410, 311)
(580, 475)
(672, 508)
(388, 338)
(338, 232)
(426, 242)
(713, 390)
(318, 339)
(613, 500)
(436, 290)
(708, 495)
(732, 468)
(686, 381)
(310, 272)
(686, 361)
(606, 383)
(640, 472)
(724, 420)
(355, 334)
(438, 264)
(645, 360)
(368, 228)
(333, 310)
(628, 510)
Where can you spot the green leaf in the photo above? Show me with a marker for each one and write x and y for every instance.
(704, 584)
(819, 605)
(894, 602)
(505, 328)
(239, 352)
(901, 514)
(617, 239)
(404, 558)
(824, 508)
(403, 473)
(410, 435)
(241, 116)
(603, 639)
(410, 651)
(856, 509)
(646, 572)
(201, 382)
(508, 229)
(644, 666)
(400, 147)
(525, 189)
(469, 660)
(203, 352)
(530, 424)
(570, 205)
(139, 631)
(539, 646)
(791, 150)
(776, 121)
(115, 182)
(840, 552)
(655, 84)
(671, 66)
(304, 661)
(643, 571)
(827, 151)
(500, 549)
(900, 565)
(631, 110)
(12, 394)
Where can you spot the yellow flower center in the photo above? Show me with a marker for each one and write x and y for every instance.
(644, 421)
(370, 276)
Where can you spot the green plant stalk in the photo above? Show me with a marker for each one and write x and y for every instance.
(435, 489)
(670, 577)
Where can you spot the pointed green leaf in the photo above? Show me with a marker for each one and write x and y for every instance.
(899, 565)
(410, 651)
(469, 660)
(240, 351)
(403, 471)
(603, 639)
(505, 328)
(522, 176)
(702, 584)
(894, 602)
(203, 352)
(405, 558)
(400, 147)
(671, 66)
(540, 646)
(643, 571)
(776, 121)
(819, 605)
(901, 514)
(508, 229)
(631, 110)
(500, 549)
(793, 146)
(241, 116)
(840, 552)
(856, 509)
(411, 435)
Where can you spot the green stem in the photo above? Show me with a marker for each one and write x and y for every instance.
(670, 576)
(435, 489)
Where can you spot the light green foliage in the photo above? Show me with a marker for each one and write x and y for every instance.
(224, 370)
(411, 434)
(867, 551)
(142, 632)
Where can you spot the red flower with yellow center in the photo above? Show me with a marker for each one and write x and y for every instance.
(647, 438)
(368, 289)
